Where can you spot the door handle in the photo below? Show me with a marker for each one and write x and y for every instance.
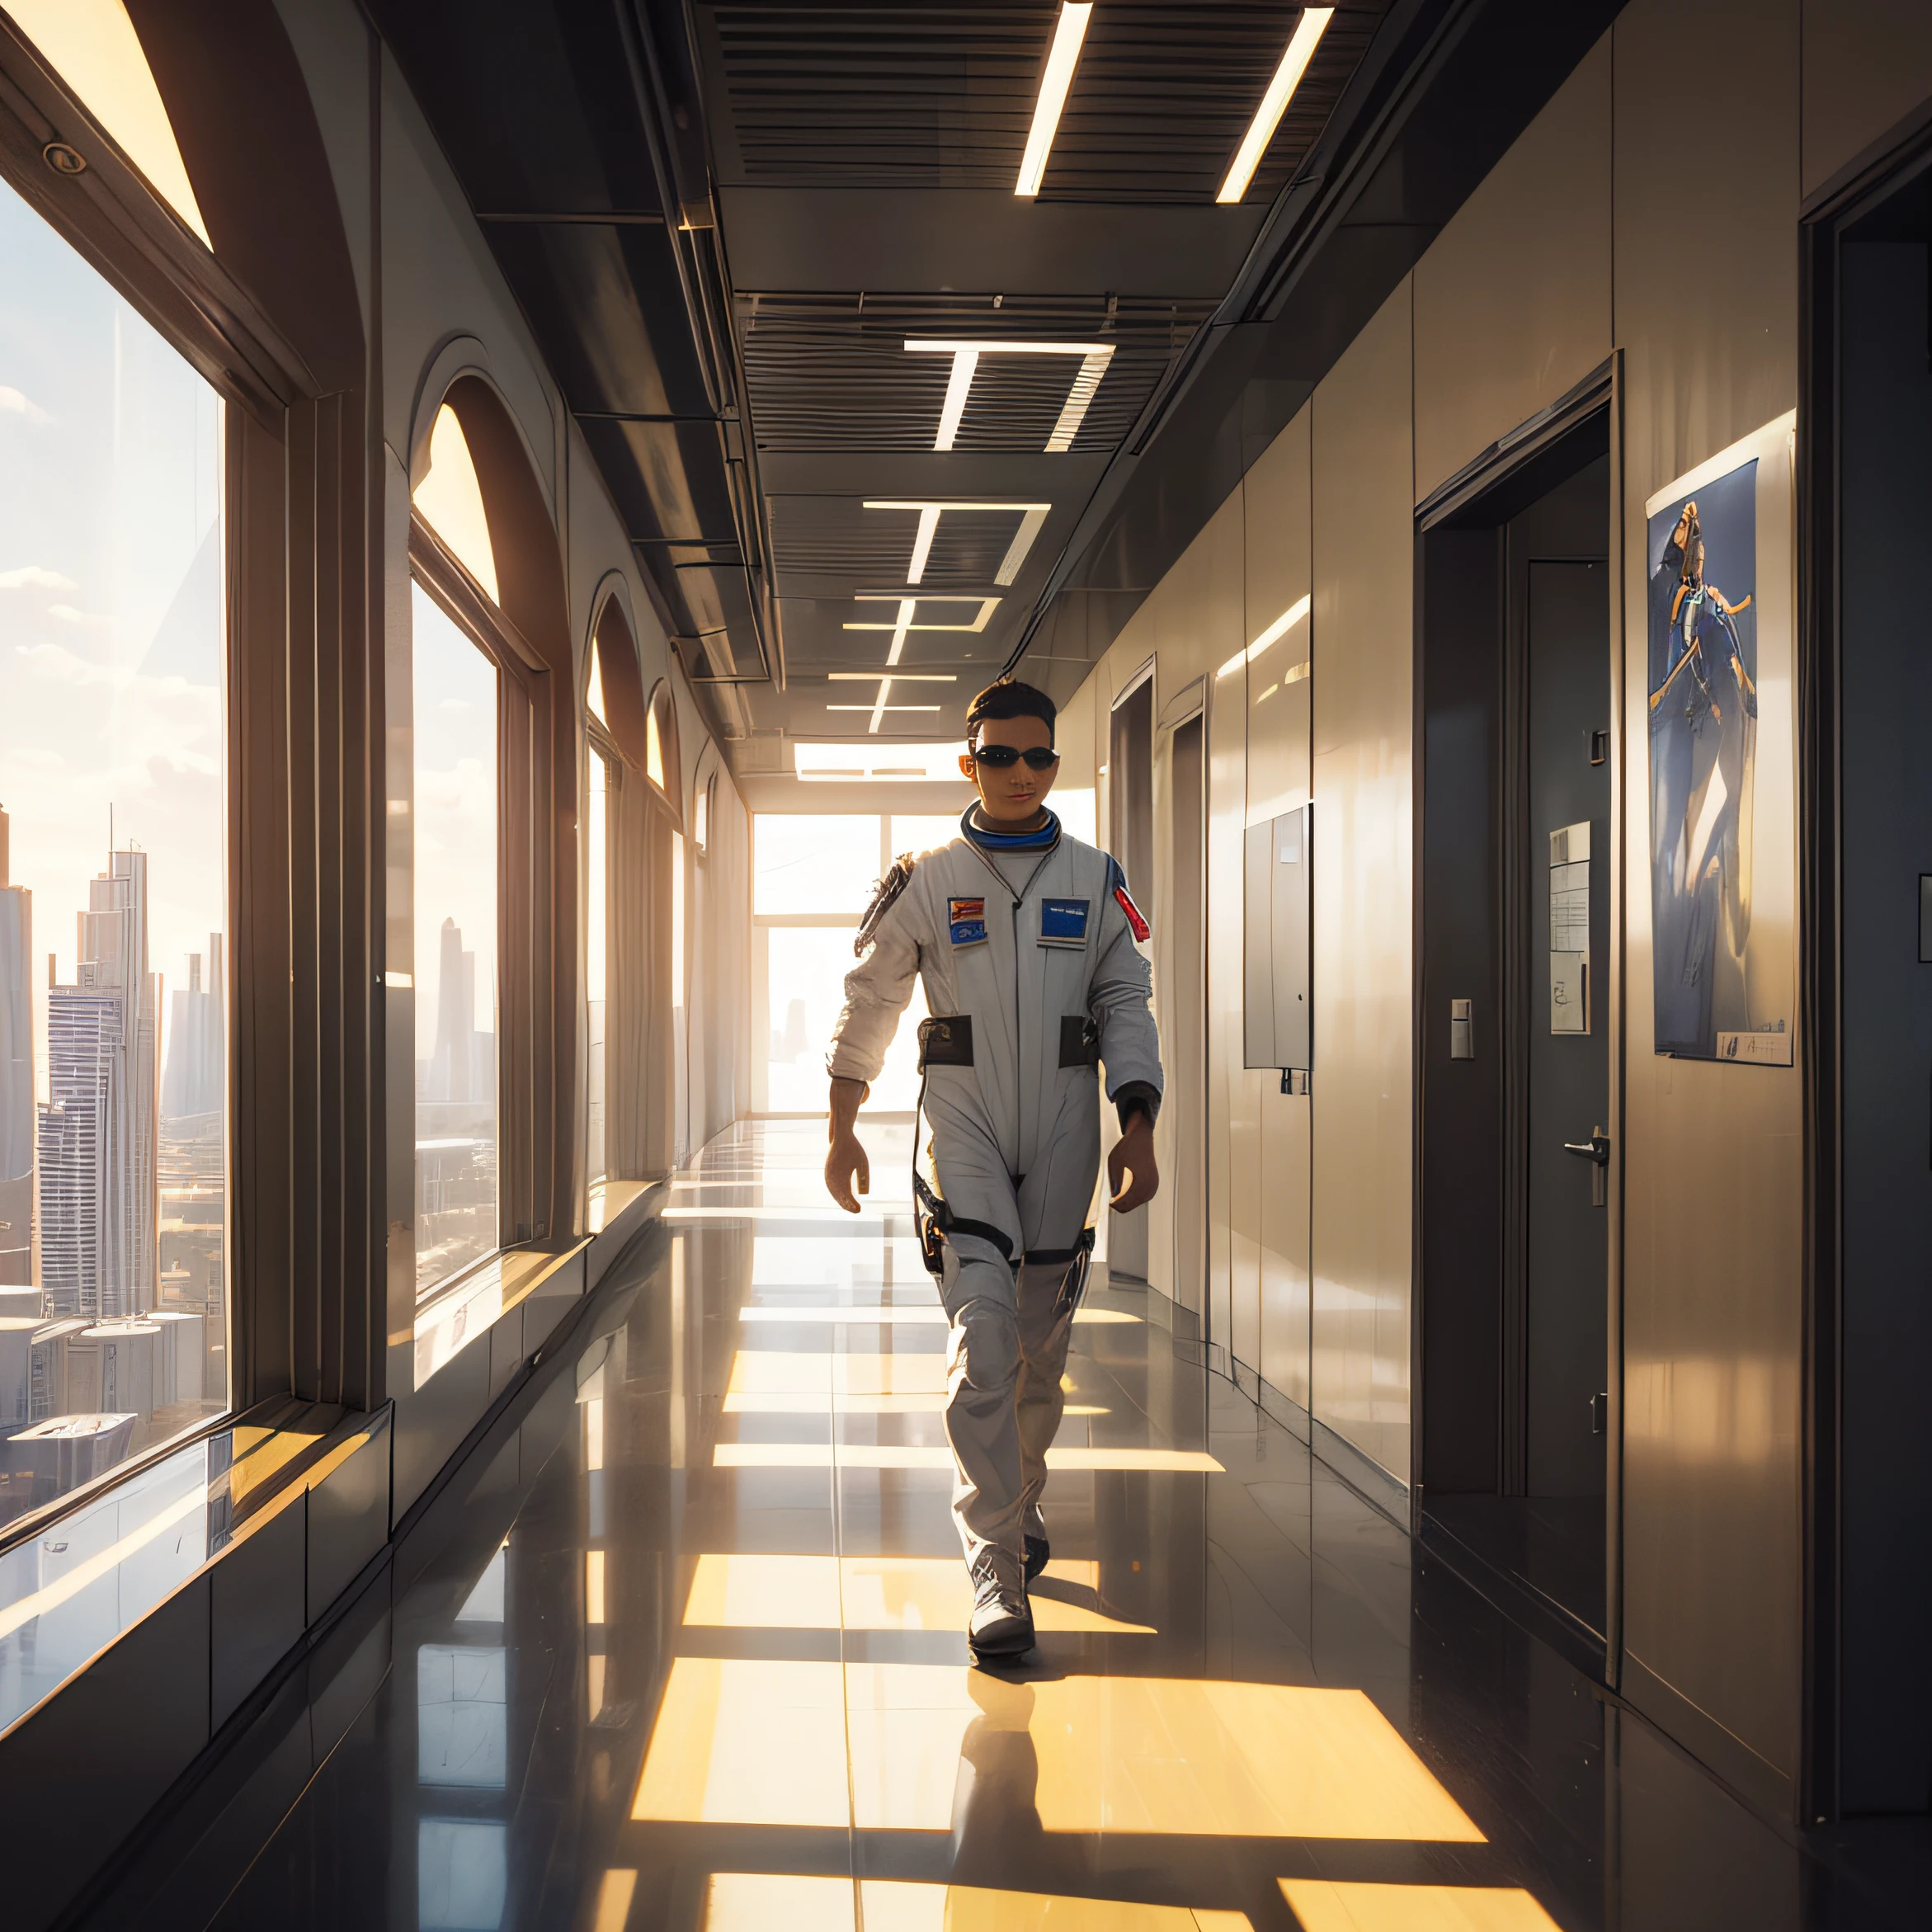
(1596, 1150)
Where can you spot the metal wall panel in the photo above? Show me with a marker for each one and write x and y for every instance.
(1363, 657)
(1277, 507)
(1513, 298)
(1711, 1273)
(1867, 65)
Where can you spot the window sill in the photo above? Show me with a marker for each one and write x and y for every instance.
(465, 1309)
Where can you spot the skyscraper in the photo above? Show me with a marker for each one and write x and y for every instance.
(196, 1059)
(450, 1069)
(99, 1131)
(193, 1176)
(16, 1074)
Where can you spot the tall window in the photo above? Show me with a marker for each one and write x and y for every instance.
(113, 1003)
(813, 875)
(456, 967)
(597, 925)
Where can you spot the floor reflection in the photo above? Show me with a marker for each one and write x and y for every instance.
(683, 1648)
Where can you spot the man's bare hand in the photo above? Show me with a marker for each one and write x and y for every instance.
(1131, 1170)
(846, 1162)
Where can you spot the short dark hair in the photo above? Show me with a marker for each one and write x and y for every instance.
(1009, 698)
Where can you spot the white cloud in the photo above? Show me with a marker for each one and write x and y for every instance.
(31, 576)
(12, 402)
(68, 614)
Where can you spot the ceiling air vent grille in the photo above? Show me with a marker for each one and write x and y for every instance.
(833, 372)
(875, 93)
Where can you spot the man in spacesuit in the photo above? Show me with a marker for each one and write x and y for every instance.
(1026, 939)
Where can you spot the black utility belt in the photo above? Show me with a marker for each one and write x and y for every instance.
(946, 1040)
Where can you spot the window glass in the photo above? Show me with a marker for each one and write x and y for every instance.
(813, 862)
(594, 687)
(113, 892)
(456, 967)
(597, 958)
(93, 46)
(805, 980)
(921, 831)
(451, 499)
(654, 750)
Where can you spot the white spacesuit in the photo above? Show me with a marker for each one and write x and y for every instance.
(1025, 943)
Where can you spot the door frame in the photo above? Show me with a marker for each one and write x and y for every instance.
(1863, 184)
(1187, 706)
(1515, 458)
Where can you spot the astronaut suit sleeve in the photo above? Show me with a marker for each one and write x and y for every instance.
(1119, 999)
(879, 988)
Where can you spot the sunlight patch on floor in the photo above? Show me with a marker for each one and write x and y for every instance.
(761, 1742)
(1324, 1907)
(757, 1902)
(870, 1593)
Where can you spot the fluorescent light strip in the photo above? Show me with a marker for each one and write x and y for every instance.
(1030, 528)
(1062, 59)
(1287, 77)
(1032, 516)
(1073, 410)
(908, 606)
(964, 362)
(929, 517)
(1273, 634)
(1094, 358)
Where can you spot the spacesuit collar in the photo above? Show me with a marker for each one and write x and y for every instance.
(1042, 839)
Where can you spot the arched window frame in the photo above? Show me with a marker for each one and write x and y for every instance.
(525, 636)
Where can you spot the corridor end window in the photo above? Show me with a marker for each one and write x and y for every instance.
(455, 964)
(113, 878)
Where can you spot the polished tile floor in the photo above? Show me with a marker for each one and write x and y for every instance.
(683, 1648)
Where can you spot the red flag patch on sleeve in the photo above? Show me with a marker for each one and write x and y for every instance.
(1136, 922)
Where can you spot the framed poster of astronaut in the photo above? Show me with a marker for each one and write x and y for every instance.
(1722, 754)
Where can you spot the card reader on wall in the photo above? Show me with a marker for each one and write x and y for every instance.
(1278, 979)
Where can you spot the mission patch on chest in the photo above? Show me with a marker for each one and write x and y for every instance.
(1062, 922)
(966, 921)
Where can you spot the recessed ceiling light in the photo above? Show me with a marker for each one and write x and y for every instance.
(1287, 77)
(1093, 366)
(1062, 59)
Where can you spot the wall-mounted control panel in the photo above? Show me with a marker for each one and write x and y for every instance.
(1278, 977)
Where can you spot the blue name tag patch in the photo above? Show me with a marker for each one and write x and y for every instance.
(1062, 922)
(966, 921)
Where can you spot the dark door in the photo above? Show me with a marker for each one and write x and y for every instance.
(1187, 1009)
(1130, 827)
(1567, 931)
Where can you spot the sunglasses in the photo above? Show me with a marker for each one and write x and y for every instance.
(1004, 757)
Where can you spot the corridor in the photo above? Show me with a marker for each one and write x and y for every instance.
(682, 1648)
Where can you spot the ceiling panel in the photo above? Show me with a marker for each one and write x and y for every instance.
(877, 93)
(604, 301)
(838, 538)
(833, 372)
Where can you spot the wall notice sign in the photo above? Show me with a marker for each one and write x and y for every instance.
(1772, 1048)
(1569, 929)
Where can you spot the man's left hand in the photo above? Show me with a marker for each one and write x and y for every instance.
(1132, 1173)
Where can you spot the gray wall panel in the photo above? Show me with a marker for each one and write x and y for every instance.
(258, 1602)
(1867, 63)
(1513, 300)
(1711, 1282)
(82, 1770)
(1362, 641)
(348, 1515)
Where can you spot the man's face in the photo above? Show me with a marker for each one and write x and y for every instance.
(1012, 793)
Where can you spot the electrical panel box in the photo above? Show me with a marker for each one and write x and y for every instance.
(1278, 975)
